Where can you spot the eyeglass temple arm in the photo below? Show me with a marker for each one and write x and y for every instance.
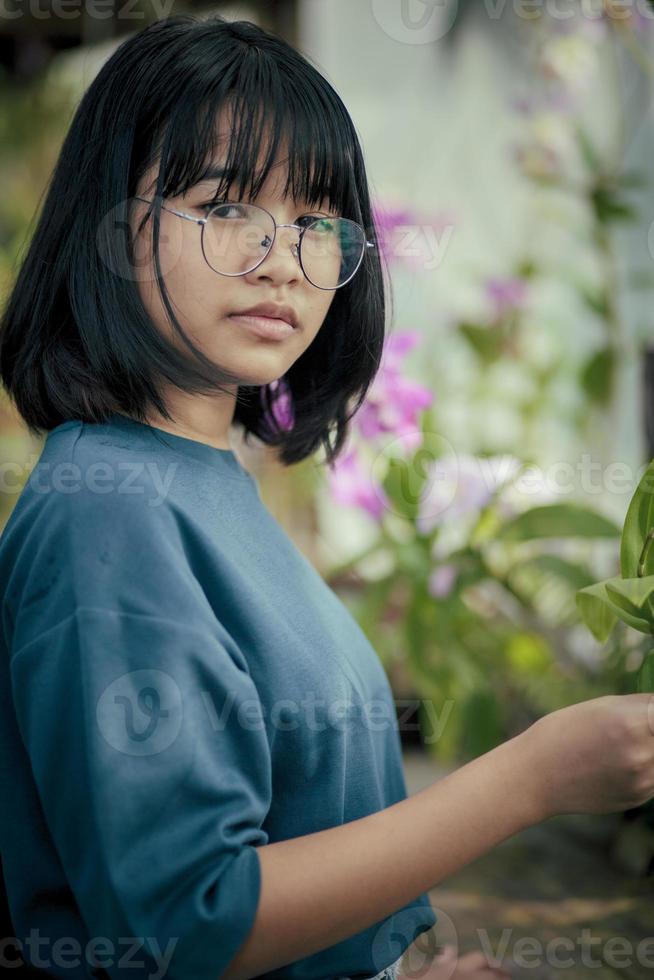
(190, 217)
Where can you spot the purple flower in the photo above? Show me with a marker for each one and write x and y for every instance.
(390, 407)
(394, 401)
(349, 484)
(441, 581)
(387, 220)
(506, 295)
(396, 347)
(281, 405)
(389, 216)
(410, 235)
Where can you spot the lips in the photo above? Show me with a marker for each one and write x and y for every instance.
(274, 310)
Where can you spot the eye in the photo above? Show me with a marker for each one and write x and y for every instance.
(321, 225)
(223, 209)
(324, 223)
(207, 206)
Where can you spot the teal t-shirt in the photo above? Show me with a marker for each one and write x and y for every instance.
(178, 686)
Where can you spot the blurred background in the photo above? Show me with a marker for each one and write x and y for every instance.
(487, 477)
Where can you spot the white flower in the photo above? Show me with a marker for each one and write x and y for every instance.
(458, 486)
(572, 59)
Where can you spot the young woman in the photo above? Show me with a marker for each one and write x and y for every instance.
(199, 744)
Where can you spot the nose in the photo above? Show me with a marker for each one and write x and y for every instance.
(282, 263)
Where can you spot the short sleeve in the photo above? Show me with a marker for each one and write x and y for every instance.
(147, 742)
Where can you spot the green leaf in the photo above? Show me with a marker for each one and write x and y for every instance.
(645, 677)
(608, 206)
(619, 597)
(418, 638)
(597, 610)
(526, 269)
(414, 559)
(598, 376)
(553, 565)
(549, 584)
(557, 521)
(595, 300)
(481, 728)
(640, 623)
(403, 484)
(633, 594)
(638, 524)
(588, 151)
(600, 604)
(485, 341)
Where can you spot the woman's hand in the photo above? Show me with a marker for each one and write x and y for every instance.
(596, 756)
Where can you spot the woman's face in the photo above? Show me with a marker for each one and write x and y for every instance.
(203, 300)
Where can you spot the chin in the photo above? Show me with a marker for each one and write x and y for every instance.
(256, 363)
(252, 375)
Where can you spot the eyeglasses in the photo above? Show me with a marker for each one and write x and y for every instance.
(236, 238)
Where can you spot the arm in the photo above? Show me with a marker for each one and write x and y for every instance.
(319, 889)
(159, 827)
(596, 756)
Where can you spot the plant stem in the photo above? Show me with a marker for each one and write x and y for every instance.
(644, 552)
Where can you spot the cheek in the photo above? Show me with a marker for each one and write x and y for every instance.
(188, 277)
(194, 290)
(321, 308)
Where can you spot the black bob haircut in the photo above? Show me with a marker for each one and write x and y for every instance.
(75, 338)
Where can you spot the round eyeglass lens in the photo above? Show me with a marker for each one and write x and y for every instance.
(236, 237)
(331, 251)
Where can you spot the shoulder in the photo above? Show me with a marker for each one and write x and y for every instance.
(81, 463)
(90, 530)
(83, 503)
(84, 482)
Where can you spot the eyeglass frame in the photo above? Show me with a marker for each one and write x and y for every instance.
(295, 246)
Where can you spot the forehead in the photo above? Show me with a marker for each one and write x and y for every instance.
(238, 155)
(215, 170)
(239, 135)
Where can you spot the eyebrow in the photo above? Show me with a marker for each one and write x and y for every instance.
(216, 172)
(213, 172)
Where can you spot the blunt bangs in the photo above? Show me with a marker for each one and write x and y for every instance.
(75, 338)
(295, 116)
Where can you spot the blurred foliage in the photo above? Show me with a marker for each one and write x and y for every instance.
(34, 118)
(490, 631)
(495, 641)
